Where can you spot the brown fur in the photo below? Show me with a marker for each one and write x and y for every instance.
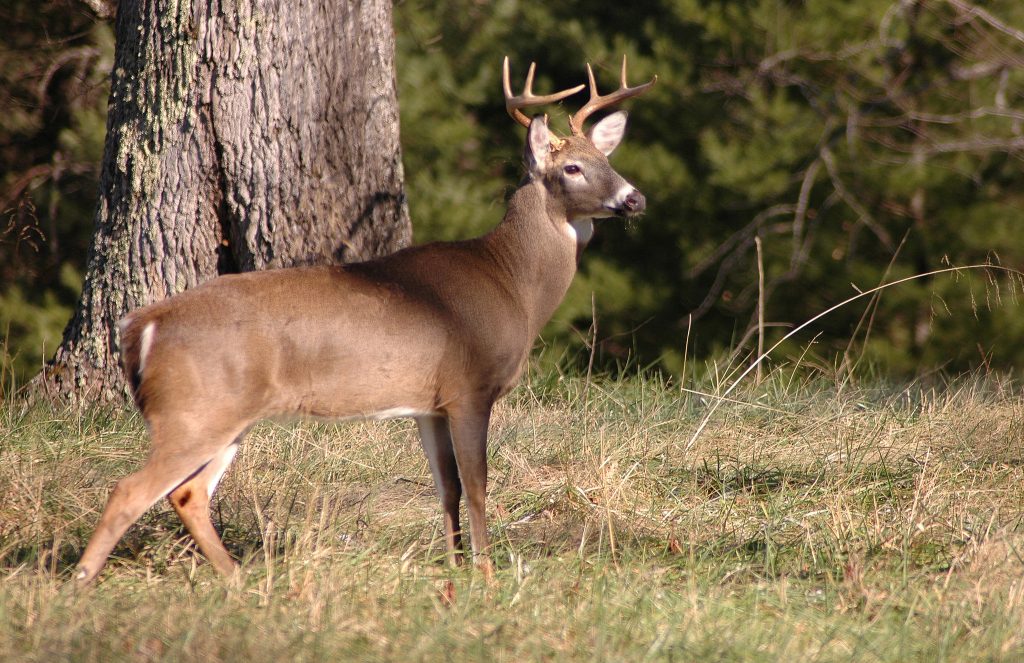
(437, 332)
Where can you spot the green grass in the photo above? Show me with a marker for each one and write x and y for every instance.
(811, 521)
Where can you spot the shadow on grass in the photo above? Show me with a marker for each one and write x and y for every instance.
(54, 558)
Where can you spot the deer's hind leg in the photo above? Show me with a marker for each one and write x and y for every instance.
(179, 453)
(191, 500)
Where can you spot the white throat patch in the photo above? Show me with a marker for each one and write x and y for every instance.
(580, 230)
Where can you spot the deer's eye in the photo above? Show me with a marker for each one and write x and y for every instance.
(571, 169)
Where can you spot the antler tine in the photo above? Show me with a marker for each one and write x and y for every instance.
(513, 104)
(597, 102)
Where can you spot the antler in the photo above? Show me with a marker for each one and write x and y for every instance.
(598, 102)
(527, 98)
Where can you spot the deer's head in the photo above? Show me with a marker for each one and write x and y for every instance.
(574, 169)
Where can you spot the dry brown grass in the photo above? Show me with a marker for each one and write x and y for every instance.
(809, 519)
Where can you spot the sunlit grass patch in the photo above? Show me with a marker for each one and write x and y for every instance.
(812, 519)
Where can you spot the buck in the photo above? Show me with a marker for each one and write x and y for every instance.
(435, 332)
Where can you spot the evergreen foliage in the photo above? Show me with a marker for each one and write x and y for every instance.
(860, 141)
(55, 61)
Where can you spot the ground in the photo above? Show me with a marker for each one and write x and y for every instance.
(814, 518)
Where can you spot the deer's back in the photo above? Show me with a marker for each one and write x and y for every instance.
(398, 335)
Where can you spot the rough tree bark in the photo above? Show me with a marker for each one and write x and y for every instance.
(241, 135)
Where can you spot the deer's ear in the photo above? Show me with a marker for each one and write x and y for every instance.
(607, 134)
(538, 145)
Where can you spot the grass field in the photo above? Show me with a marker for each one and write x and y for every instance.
(810, 521)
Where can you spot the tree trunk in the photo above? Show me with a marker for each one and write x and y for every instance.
(241, 135)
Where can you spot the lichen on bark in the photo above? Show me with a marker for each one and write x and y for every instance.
(227, 148)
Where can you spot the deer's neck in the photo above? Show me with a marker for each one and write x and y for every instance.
(535, 248)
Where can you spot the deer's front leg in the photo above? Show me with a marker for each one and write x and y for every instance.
(469, 438)
(437, 444)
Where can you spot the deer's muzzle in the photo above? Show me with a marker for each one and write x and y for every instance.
(628, 201)
(634, 203)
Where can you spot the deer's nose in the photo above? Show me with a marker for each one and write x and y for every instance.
(634, 202)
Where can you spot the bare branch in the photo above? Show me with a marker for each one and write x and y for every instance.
(864, 215)
(972, 10)
(25, 179)
(800, 215)
(977, 144)
(81, 55)
(104, 9)
(973, 114)
(744, 233)
(729, 264)
(981, 70)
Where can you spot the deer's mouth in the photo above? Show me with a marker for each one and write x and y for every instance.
(634, 203)
(627, 202)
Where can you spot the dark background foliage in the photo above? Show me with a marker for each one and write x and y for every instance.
(861, 142)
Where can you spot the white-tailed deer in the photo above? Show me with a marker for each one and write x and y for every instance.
(436, 332)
